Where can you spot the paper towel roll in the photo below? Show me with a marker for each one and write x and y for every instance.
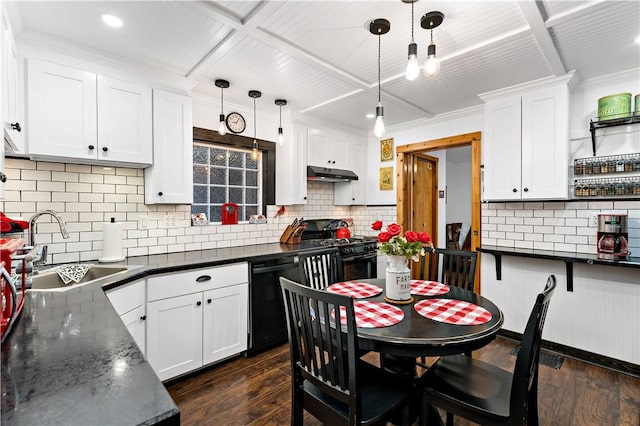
(112, 242)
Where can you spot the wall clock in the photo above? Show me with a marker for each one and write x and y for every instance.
(235, 122)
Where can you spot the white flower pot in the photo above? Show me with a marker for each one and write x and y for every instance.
(398, 278)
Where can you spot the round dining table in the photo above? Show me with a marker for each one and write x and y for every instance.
(415, 335)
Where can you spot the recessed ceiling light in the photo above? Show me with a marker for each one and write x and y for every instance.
(371, 115)
(112, 21)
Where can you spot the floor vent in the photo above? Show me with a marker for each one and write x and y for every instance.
(546, 358)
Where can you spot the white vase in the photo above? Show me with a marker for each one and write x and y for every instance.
(398, 278)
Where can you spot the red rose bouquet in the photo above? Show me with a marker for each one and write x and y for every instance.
(411, 246)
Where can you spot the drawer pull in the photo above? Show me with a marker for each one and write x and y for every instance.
(198, 303)
(203, 278)
(208, 300)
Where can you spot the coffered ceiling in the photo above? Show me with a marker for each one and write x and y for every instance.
(320, 56)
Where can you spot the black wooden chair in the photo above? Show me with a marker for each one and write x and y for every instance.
(321, 268)
(330, 383)
(486, 394)
(458, 267)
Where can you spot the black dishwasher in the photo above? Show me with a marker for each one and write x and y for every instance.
(267, 322)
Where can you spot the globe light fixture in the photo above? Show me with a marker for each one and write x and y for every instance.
(280, 103)
(430, 21)
(413, 67)
(379, 27)
(254, 152)
(222, 84)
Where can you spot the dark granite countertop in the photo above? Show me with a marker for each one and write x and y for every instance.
(70, 360)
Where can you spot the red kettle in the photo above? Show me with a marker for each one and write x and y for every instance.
(343, 232)
(229, 214)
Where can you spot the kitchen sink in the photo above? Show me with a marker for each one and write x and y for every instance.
(51, 281)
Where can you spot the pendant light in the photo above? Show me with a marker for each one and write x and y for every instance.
(430, 21)
(222, 84)
(413, 68)
(280, 103)
(379, 27)
(254, 152)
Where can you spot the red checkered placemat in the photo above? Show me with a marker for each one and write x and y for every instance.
(373, 314)
(453, 311)
(355, 289)
(428, 288)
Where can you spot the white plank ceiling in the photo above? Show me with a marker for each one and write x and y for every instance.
(320, 56)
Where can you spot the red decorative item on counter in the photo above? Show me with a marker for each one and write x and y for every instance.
(229, 214)
(12, 300)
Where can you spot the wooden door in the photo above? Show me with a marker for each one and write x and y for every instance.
(423, 204)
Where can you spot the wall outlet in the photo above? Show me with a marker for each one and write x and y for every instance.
(143, 222)
(594, 219)
(170, 221)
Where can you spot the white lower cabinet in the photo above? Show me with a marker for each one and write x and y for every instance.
(129, 302)
(196, 317)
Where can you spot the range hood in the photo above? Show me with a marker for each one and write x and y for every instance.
(324, 174)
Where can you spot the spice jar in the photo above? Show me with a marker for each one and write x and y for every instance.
(588, 168)
(611, 188)
(636, 164)
(636, 188)
(578, 167)
(619, 166)
(628, 164)
(604, 167)
(596, 167)
(611, 166)
(619, 188)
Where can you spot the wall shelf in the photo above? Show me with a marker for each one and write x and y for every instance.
(569, 258)
(612, 122)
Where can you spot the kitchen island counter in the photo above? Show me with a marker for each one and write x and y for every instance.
(70, 360)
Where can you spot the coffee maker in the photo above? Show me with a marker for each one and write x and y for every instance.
(613, 236)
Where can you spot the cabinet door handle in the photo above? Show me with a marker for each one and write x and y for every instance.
(198, 303)
(515, 190)
(3, 177)
(304, 198)
(333, 162)
(160, 193)
(91, 147)
(208, 300)
(143, 318)
(526, 190)
(105, 149)
(16, 126)
(203, 278)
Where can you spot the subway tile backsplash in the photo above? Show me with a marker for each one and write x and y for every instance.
(88, 196)
(560, 226)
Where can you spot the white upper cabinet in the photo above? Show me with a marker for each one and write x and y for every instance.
(124, 121)
(526, 142)
(78, 116)
(326, 150)
(11, 124)
(352, 192)
(170, 179)
(291, 169)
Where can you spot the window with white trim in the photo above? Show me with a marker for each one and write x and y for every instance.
(222, 174)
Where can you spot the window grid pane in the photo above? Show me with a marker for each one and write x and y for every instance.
(225, 175)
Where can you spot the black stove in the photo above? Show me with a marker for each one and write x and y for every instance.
(358, 254)
(348, 247)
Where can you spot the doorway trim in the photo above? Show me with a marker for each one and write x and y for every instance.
(404, 157)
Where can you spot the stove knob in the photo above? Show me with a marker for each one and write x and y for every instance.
(348, 250)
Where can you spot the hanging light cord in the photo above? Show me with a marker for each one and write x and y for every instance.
(280, 115)
(412, 21)
(221, 100)
(254, 122)
(379, 35)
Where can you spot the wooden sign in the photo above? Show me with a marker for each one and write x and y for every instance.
(386, 178)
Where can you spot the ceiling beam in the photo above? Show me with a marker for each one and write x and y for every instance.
(549, 51)
(567, 15)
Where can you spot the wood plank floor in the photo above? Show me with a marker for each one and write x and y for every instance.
(255, 391)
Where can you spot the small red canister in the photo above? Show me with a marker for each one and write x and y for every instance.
(229, 214)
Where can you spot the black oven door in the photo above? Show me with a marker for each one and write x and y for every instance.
(359, 266)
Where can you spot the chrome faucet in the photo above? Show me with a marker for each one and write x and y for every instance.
(41, 258)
